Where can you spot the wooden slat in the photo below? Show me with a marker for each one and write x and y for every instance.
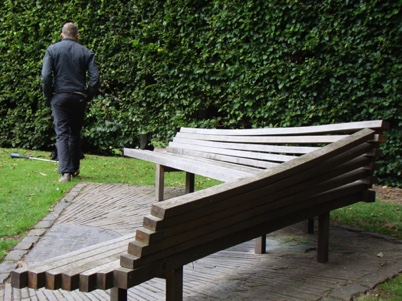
(209, 151)
(178, 162)
(302, 130)
(126, 278)
(281, 149)
(256, 164)
(247, 166)
(100, 277)
(317, 139)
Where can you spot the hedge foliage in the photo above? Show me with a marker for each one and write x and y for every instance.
(230, 64)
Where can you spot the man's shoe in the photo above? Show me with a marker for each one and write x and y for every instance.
(66, 177)
(74, 174)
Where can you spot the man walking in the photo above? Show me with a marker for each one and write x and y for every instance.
(70, 78)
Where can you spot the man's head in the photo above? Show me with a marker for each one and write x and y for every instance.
(69, 30)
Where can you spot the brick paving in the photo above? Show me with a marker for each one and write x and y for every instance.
(91, 213)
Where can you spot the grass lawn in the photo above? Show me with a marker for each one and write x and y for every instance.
(30, 188)
(379, 217)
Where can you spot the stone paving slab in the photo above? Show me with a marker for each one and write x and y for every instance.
(91, 213)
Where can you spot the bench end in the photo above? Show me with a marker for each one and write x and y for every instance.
(19, 278)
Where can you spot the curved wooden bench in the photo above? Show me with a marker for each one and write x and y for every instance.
(183, 229)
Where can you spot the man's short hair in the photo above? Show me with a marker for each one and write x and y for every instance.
(70, 30)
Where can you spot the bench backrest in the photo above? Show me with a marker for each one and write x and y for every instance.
(263, 147)
(183, 229)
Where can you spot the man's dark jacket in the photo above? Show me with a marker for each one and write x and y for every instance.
(64, 69)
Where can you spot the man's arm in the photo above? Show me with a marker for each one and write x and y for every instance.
(47, 76)
(94, 78)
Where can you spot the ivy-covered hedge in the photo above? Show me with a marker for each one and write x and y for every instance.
(230, 64)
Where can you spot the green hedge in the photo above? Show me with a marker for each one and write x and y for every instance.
(229, 64)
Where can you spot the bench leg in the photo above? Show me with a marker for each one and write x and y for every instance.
(118, 294)
(190, 181)
(159, 182)
(260, 245)
(174, 285)
(323, 237)
(309, 226)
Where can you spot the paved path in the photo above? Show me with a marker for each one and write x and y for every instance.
(92, 213)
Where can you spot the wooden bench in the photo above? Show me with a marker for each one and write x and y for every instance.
(183, 229)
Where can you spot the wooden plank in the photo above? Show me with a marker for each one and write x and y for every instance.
(317, 139)
(98, 277)
(126, 278)
(233, 163)
(194, 160)
(177, 162)
(284, 149)
(316, 129)
(186, 149)
(240, 163)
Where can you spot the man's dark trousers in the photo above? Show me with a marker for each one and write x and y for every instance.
(68, 111)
